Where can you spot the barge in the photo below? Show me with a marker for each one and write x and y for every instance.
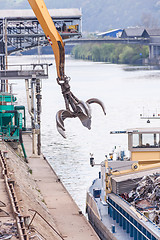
(110, 214)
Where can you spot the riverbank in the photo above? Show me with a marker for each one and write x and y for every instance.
(112, 53)
(38, 188)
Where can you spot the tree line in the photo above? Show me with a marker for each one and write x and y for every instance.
(110, 52)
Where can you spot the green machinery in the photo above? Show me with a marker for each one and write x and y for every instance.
(12, 120)
(12, 117)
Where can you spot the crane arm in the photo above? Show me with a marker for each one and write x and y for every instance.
(74, 107)
(54, 38)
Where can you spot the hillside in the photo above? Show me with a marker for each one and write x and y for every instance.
(101, 15)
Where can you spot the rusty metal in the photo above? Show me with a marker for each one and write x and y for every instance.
(35, 212)
(13, 199)
(32, 218)
(3, 213)
(145, 197)
(74, 107)
(2, 204)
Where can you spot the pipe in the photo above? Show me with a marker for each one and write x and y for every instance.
(24, 111)
(21, 142)
(28, 100)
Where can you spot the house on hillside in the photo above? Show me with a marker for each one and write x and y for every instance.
(134, 33)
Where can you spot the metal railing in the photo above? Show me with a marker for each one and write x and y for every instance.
(35, 212)
(24, 71)
(133, 228)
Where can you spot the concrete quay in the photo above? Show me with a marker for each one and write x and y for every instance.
(38, 188)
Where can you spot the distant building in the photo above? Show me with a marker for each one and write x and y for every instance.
(111, 33)
(134, 33)
(153, 32)
(154, 35)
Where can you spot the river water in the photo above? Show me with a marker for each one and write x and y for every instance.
(125, 93)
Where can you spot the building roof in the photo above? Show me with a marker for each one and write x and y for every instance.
(134, 32)
(110, 31)
(138, 130)
(153, 32)
(28, 13)
(144, 130)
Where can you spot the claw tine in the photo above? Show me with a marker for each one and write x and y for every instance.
(85, 108)
(60, 124)
(61, 131)
(96, 100)
(86, 121)
(59, 119)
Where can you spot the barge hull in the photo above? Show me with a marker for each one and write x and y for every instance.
(95, 219)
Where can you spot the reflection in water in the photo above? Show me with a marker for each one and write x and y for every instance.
(124, 94)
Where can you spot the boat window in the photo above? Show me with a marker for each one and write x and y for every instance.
(135, 140)
(147, 140)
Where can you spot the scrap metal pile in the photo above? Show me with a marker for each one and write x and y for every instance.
(8, 230)
(146, 197)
